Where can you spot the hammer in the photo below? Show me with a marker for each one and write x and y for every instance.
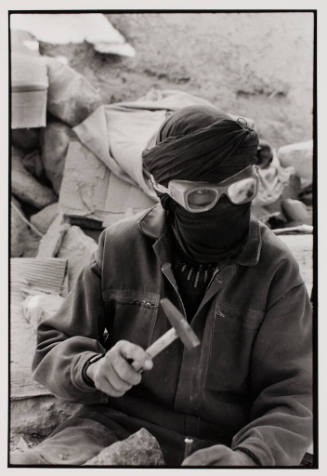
(180, 328)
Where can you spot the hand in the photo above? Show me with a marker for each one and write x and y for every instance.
(113, 374)
(218, 455)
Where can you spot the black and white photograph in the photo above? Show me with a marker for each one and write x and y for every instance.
(162, 244)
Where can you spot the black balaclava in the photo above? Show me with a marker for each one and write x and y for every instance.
(200, 143)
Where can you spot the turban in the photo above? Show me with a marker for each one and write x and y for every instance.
(200, 143)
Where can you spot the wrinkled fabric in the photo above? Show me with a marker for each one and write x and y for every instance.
(200, 143)
(248, 385)
(212, 236)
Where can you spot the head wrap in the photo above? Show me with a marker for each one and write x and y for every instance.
(201, 143)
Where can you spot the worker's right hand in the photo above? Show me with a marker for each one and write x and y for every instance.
(114, 374)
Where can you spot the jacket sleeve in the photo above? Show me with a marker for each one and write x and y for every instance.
(67, 340)
(280, 428)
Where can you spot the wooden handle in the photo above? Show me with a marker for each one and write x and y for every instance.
(163, 342)
(159, 345)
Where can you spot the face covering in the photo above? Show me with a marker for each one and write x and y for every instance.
(212, 236)
(199, 143)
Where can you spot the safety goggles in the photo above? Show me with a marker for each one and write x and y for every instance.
(199, 197)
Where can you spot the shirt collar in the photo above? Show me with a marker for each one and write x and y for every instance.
(152, 224)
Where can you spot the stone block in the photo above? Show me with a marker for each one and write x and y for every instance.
(33, 163)
(78, 249)
(29, 84)
(43, 219)
(139, 449)
(19, 231)
(51, 241)
(26, 139)
(299, 156)
(39, 415)
(25, 187)
(71, 98)
(54, 144)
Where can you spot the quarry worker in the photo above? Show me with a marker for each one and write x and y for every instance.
(243, 397)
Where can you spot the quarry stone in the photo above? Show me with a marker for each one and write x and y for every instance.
(71, 98)
(54, 144)
(139, 449)
(43, 219)
(25, 187)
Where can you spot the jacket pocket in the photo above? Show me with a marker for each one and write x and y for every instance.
(131, 316)
(232, 334)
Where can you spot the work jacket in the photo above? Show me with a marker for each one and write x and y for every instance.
(248, 385)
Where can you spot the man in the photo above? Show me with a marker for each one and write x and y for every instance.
(243, 396)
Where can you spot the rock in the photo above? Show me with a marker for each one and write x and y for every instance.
(301, 248)
(25, 186)
(139, 449)
(33, 163)
(29, 85)
(78, 248)
(20, 233)
(71, 98)
(43, 219)
(295, 212)
(40, 415)
(40, 306)
(51, 241)
(24, 42)
(26, 139)
(69, 242)
(300, 156)
(54, 144)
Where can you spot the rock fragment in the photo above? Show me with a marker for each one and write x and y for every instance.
(54, 144)
(26, 139)
(25, 186)
(139, 449)
(300, 156)
(19, 231)
(43, 219)
(33, 163)
(78, 249)
(71, 98)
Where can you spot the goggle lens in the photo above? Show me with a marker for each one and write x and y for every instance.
(201, 198)
(242, 191)
(239, 192)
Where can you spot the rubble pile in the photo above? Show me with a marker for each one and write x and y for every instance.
(76, 168)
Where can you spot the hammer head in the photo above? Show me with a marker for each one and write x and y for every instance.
(178, 321)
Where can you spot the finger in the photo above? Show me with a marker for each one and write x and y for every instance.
(125, 370)
(213, 455)
(137, 354)
(115, 379)
(105, 386)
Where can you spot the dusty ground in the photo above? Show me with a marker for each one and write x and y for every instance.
(254, 64)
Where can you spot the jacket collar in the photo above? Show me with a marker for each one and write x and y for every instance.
(152, 224)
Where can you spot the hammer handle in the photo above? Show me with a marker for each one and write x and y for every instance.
(163, 342)
(160, 344)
